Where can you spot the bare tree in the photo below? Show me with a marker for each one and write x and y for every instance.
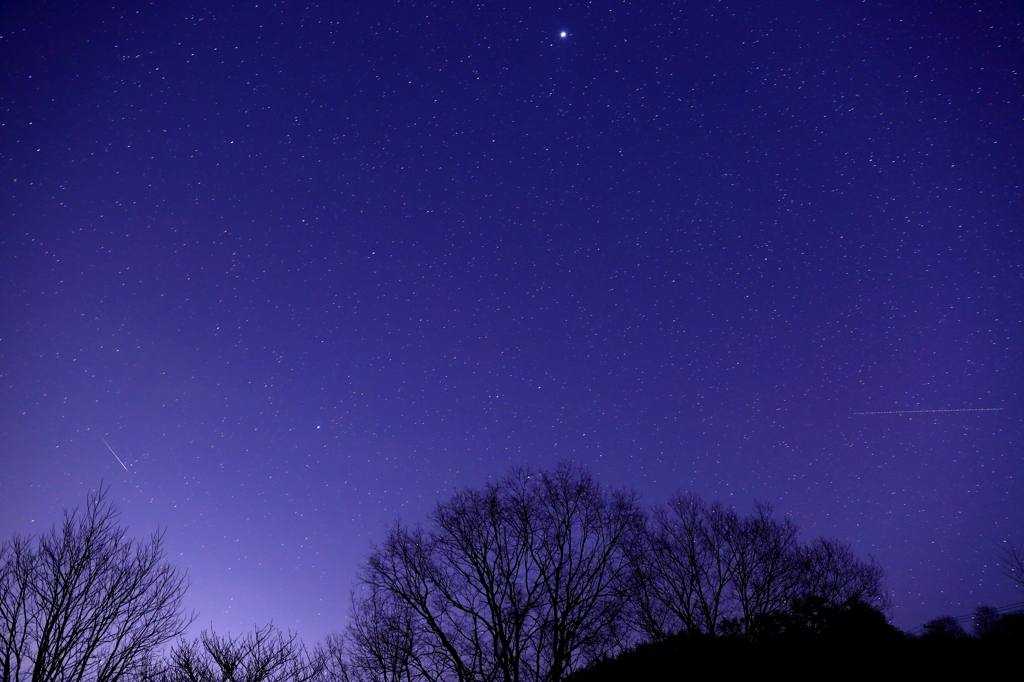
(986, 621)
(945, 627)
(337, 664)
(764, 564)
(18, 562)
(684, 566)
(484, 539)
(829, 570)
(583, 570)
(382, 639)
(539, 574)
(521, 581)
(1013, 564)
(263, 655)
(702, 568)
(83, 602)
(406, 585)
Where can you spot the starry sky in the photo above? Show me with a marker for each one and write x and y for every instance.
(311, 267)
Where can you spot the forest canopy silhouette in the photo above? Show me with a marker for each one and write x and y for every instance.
(535, 577)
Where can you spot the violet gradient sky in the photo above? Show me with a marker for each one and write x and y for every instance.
(309, 267)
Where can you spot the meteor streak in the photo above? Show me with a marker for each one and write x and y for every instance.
(113, 453)
(963, 409)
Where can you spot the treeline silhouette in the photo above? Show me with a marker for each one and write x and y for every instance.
(540, 576)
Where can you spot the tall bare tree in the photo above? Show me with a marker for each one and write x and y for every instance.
(381, 643)
(583, 568)
(521, 581)
(82, 602)
(765, 572)
(702, 568)
(684, 566)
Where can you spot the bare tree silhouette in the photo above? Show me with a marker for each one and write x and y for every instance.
(701, 568)
(540, 573)
(83, 602)
(1012, 562)
(263, 655)
(523, 580)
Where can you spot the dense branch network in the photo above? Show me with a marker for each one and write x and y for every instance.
(82, 602)
(541, 573)
(531, 578)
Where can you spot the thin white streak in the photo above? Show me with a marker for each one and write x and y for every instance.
(963, 409)
(112, 452)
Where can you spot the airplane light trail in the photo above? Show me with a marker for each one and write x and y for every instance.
(963, 409)
(113, 453)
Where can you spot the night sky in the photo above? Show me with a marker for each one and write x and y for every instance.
(309, 268)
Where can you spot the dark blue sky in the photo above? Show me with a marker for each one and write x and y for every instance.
(310, 267)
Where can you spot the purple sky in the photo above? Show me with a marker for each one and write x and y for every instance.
(311, 267)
